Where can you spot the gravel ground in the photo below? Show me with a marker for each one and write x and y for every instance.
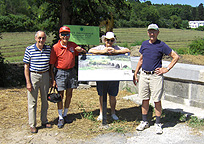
(172, 134)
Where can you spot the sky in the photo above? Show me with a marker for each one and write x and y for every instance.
(193, 3)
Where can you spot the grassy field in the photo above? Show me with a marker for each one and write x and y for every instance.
(13, 44)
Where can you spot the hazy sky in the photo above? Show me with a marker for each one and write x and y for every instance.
(193, 3)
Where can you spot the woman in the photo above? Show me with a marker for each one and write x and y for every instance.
(113, 86)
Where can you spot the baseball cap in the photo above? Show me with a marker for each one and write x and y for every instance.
(153, 26)
(64, 29)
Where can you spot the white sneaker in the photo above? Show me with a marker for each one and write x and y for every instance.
(60, 123)
(142, 125)
(114, 116)
(100, 117)
(158, 128)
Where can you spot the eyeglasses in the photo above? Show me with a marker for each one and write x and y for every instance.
(65, 34)
(112, 40)
(41, 38)
(152, 32)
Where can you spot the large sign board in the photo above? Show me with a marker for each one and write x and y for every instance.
(104, 68)
(84, 35)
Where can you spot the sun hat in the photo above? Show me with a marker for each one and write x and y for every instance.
(64, 29)
(153, 26)
(109, 35)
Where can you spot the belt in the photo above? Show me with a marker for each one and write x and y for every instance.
(39, 72)
(148, 72)
(66, 69)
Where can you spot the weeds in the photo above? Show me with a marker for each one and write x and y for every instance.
(195, 122)
(88, 115)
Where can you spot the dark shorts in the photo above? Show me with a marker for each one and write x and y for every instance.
(66, 79)
(113, 87)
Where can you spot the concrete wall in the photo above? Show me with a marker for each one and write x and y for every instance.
(184, 84)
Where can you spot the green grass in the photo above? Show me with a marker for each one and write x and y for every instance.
(13, 44)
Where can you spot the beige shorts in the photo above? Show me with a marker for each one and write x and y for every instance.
(151, 85)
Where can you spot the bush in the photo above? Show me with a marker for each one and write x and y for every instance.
(200, 28)
(197, 47)
(16, 23)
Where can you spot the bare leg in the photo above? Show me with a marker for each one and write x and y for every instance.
(112, 100)
(68, 97)
(158, 108)
(101, 104)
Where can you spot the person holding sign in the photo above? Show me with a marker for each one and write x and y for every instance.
(151, 81)
(113, 86)
(63, 59)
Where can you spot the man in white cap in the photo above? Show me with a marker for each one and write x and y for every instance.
(113, 86)
(151, 76)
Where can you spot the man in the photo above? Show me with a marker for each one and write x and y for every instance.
(63, 59)
(113, 86)
(151, 76)
(36, 70)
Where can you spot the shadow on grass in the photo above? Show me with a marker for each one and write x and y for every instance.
(133, 114)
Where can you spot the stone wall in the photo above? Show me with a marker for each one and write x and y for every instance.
(184, 84)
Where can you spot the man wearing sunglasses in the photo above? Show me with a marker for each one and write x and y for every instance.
(113, 86)
(63, 59)
(36, 70)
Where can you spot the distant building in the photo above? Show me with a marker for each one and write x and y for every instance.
(195, 24)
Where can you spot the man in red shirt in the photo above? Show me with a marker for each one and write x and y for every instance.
(63, 59)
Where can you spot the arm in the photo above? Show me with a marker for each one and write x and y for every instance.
(52, 75)
(27, 77)
(175, 59)
(139, 65)
(79, 49)
(95, 51)
(121, 51)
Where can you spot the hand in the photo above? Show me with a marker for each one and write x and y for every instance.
(135, 79)
(54, 84)
(110, 50)
(29, 87)
(160, 71)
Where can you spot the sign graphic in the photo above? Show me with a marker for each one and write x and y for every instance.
(104, 68)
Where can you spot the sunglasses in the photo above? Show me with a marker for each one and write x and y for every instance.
(110, 40)
(65, 34)
(41, 38)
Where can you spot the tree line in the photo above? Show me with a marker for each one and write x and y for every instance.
(49, 15)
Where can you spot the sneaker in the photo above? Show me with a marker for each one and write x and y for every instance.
(114, 116)
(60, 123)
(143, 125)
(158, 128)
(100, 117)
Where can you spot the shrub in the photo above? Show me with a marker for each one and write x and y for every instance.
(197, 47)
(200, 28)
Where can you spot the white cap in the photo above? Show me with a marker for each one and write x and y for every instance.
(109, 35)
(153, 26)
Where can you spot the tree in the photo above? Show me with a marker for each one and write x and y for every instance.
(175, 21)
(200, 12)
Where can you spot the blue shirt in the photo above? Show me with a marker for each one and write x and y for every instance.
(153, 53)
(38, 60)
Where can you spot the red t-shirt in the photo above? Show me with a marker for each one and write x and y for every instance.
(63, 57)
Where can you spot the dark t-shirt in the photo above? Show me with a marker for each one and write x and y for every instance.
(153, 53)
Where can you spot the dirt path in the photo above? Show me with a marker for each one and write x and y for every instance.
(84, 129)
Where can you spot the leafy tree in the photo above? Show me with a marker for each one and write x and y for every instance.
(201, 12)
(175, 21)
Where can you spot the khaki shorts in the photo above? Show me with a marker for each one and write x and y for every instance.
(151, 85)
